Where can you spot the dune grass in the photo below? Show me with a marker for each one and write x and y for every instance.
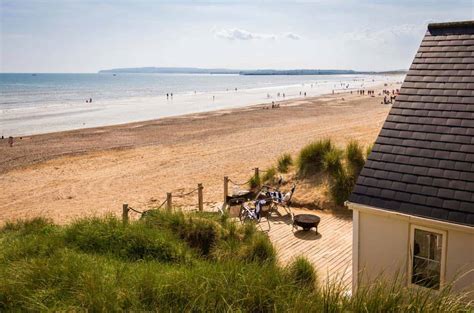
(175, 262)
(284, 162)
(310, 158)
(355, 157)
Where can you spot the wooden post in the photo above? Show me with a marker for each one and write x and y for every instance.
(226, 188)
(257, 176)
(200, 199)
(169, 201)
(125, 210)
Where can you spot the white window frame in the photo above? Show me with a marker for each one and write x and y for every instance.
(444, 235)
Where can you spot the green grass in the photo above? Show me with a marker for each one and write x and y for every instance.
(355, 157)
(175, 262)
(310, 158)
(284, 162)
(269, 175)
(368, 150)
(333, 161)
(341, 187)
(255, 182)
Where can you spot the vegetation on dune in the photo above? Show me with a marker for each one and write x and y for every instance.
(355, 157)
(341, 166)
(269, 175)
(333, 161)
(310, 158)
(175, 262)
(284, 162)
(254, 182)
(368, 150)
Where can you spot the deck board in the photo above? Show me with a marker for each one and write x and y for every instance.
(330, 251)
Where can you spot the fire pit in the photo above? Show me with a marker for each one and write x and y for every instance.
(306, 221)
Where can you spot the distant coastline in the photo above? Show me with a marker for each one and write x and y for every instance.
(195, 70)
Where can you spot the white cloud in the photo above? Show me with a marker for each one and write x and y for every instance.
(292, 36)
(242, 34)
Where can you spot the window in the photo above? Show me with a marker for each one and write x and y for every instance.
(427, 257)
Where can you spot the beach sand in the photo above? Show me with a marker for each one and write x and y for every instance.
(71, 174)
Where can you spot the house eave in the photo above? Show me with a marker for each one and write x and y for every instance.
(409, 218)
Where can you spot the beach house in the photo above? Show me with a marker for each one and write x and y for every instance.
(413, 203)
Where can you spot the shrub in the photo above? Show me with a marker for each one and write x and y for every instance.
(254, 182)
(310, 159)
(341, 187)
(201, 234)
(332, 161)
(368, 150)
(201, 230)
(284, 162)
(34, 225)
(269, 176)
(355, 157)
(302, 272)
(133, 242)
(259, 250)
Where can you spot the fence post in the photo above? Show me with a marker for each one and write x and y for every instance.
(226, 188)
(125, 210)
(257, 176)
(200, 199)
(169, 201)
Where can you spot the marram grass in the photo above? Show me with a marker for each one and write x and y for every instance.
(175, 262)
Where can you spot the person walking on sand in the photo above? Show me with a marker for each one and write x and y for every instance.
(90, 100)
(10, 141)
(167, 96)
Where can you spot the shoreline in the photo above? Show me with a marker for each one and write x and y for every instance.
(68, 174)
(28, 119)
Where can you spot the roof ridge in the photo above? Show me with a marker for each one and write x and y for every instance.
(468, 23)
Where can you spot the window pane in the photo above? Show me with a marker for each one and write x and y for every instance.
(427, 258)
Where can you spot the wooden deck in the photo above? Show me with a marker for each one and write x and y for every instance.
(330, 251)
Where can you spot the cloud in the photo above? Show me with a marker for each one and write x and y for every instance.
(242, 34)
(292, 36)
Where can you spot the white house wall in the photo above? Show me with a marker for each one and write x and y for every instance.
(384, 242)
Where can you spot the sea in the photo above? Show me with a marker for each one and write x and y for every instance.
(42, 103)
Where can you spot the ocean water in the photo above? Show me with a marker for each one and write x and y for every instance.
(42, 103)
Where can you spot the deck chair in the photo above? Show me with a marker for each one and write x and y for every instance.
(279, 199)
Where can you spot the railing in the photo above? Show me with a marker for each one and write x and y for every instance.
(168, 201)
(169, 196)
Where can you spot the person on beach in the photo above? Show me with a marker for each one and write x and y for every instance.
(10, 141)
(167, 96)
(305, 93)
(90, 100)
(171, 94)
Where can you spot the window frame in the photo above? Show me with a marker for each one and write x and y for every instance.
(411, 248)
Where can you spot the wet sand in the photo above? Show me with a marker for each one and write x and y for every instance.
(93, 171)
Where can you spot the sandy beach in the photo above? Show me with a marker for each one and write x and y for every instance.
(93, 171)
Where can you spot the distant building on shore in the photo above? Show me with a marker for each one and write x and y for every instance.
(413, 204)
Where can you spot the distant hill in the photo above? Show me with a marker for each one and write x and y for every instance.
(171, 70)
(298, 72)
(195, 70)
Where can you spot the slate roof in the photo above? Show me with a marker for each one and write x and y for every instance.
(422, 162)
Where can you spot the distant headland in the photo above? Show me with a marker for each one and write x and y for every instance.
(195, 70)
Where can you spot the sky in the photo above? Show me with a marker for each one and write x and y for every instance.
(87, 36)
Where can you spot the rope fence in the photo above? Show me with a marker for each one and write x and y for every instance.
(169, 203)
(169, 196)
